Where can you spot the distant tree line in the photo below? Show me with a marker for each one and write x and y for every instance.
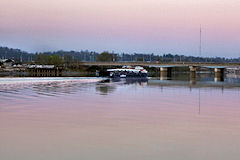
(69, 58)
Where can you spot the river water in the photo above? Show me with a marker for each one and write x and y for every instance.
(84, 119)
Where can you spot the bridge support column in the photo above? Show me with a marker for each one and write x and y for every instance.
(218, 74)
(165, 73)
(193, 70)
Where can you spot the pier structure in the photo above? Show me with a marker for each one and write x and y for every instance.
(192, 77)
(218, 72)
(193, 70)
(165, 72)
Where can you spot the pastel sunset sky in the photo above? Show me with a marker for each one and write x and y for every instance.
(143, 26)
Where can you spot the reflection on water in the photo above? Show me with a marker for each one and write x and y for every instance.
(104, 89)
(83, 118)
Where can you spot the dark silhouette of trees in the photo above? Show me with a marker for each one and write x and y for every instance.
(74, 57)
(44, 59)
(68, 59)
(106, 57)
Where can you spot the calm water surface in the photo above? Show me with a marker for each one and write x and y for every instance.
(83, 119)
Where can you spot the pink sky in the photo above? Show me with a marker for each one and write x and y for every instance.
(149, 26)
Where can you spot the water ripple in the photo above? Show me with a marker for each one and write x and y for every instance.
(28, 88)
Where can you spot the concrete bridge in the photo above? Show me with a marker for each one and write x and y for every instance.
(166, 68)
(176, 64)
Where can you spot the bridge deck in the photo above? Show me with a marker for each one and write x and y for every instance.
(164, 65)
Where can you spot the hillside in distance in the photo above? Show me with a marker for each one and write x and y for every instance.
(91, 56)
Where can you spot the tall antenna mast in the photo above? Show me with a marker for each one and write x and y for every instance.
(200, 42)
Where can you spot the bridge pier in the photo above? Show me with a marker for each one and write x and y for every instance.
(218, 74)
(193, 70)
(165, 73)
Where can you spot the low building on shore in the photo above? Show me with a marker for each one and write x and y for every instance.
(44, 71)
(6, 63)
